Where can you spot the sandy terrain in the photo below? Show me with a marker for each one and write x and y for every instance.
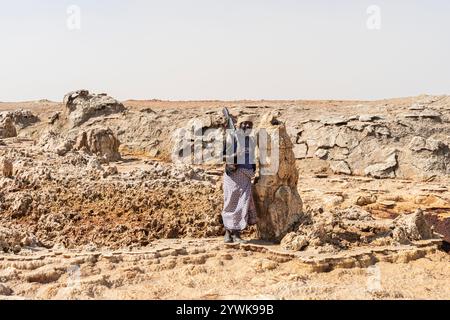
(207, 269)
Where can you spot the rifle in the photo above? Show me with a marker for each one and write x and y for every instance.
(229, 168)
(230, 123)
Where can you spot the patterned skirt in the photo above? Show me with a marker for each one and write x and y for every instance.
(239, 208)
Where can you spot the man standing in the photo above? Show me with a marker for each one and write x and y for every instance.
(239, 208)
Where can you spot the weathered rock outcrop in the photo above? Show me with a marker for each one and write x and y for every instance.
(101, 142)
(7, 128)
(278, 203)
(383, 170)
(412, 227)
(354, 227)
(52, 141)
(82, 106)
(389, 144)
(12, 239)
(98, 141)
(21, 118)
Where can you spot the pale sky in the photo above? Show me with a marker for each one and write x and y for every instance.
(224, 49)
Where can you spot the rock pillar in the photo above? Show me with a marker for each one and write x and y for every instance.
(277, 200)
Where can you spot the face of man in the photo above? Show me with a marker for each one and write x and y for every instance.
(246, 126)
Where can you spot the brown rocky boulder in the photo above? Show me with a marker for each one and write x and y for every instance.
(81, 106)
(7, 167)
(277, 200)
(101, 142)
(7, 128)
(412, 227)
(21, 118)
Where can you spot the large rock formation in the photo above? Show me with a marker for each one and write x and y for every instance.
(7, 128)
(98, 141)
(52, 141)
(412, 227)
(390, 143)
(277, 200)
(82, 106)
(21, 118)
(101, 142)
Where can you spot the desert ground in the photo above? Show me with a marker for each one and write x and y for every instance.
(97, 201)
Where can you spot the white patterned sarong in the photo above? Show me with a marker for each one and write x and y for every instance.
(239, 208)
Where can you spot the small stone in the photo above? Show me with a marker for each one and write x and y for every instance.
(294, 242)
(334, 120)
(52, 119)
(341, 167)
(5, 290)
(368, 118)
(333, 201)
(388, 203)
(434, 145)
(417, 144)
(269, 265)
(417, 107)
(110, 171)
(382, 131)
(59, 247)
(92, 259)
(383, 170)
(365, 200)
(226, 256)
(91, 247)
(432, 114)
(321, 153)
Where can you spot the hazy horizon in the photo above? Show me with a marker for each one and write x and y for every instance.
(220, 100)
(224, 50)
